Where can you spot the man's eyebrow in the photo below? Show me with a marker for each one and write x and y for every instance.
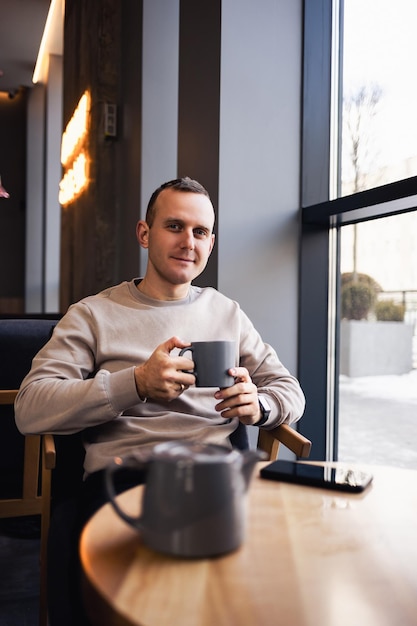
(173, 219)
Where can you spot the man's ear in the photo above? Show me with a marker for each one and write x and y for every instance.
(142, 233)
(213, 239)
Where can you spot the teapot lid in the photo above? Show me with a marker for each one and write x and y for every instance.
(193, 450)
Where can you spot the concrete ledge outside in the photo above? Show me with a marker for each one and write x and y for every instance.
(370, 348)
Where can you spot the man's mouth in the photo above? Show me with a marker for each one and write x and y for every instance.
(183, 260)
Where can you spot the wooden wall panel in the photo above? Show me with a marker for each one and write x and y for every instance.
(92, 41)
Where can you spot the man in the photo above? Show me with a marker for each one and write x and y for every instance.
(112, 370)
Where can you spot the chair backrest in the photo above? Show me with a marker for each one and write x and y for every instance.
(20, 340)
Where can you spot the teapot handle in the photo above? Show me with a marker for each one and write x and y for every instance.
(109, 482)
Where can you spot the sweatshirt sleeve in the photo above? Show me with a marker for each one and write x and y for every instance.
(65, 391)
(272, 378)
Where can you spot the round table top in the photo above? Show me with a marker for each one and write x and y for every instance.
(311, 556)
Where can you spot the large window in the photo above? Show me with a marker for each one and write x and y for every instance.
(359, 231)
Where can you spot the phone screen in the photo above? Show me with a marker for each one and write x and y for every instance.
(340, 478)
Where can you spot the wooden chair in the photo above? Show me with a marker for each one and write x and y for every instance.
(26, 462)
(269, 441)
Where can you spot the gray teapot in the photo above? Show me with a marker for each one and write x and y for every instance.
(194, 499)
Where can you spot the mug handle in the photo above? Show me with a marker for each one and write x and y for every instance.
(109, 482)
(182, 352)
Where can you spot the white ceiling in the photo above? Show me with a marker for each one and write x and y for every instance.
(21, 27)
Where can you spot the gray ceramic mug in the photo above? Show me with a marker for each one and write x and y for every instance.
(212, 360)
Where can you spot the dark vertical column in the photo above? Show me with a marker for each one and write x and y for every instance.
(314, 260)
(129, 141)
(199, 102)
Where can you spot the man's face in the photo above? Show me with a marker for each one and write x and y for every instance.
(180, 240)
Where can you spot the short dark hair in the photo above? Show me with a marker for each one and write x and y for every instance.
(178, 184)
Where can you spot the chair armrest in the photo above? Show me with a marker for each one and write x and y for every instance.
(268, 440)
(49, 451)
(8, 396)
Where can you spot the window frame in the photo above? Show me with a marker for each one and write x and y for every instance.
(321, 220)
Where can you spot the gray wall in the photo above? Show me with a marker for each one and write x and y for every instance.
(43, 222)
(35, 154)
(260, 165)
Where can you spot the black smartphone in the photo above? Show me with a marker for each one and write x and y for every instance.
(340, 478)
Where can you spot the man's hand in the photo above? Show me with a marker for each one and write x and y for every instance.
(162, 377)
(241, 399)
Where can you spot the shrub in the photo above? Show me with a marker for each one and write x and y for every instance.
(389, 311)
(358, 295)
(357, 300)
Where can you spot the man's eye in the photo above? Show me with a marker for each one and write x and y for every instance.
(174, 226)
(199, 232)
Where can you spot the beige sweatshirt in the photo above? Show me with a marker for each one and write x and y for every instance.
(83, 379)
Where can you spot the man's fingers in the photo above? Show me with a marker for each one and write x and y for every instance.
(174, 342)
(241, 374)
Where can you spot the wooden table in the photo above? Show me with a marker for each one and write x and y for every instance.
(311, 557)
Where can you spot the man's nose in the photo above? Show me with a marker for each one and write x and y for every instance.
(187, 240)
